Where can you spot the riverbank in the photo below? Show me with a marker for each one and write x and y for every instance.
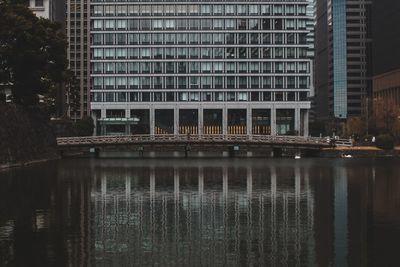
(26, 136)
(359, 152)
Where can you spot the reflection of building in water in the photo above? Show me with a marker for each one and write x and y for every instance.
(204, 215)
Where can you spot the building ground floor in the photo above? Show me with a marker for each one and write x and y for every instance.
(289, 118)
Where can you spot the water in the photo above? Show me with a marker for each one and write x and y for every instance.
(266, 212)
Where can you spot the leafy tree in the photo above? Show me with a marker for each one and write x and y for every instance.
(317, 128)
(85, 126)
(385, 141)
(386, 117)
(32, 53)
(3, 97)
(355, 126)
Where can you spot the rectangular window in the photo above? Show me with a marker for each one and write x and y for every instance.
(38, 3)
(121, 83)
(242, 10)
(97, 10)
(133, 82)
(182, 83)
(158, 82)
(230, 9)
(181, 24)
(253, 9)
(219, 96)
(218, 67)
(242, 96)
(218, 24)
(98, 83)
(205, 9)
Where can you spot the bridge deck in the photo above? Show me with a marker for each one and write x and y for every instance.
(194, 139)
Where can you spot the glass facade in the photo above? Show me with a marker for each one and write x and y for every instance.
(200, 52)
(339, 44)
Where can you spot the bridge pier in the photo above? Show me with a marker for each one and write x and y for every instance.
(96, 152)
(277, 152)
(187, 150)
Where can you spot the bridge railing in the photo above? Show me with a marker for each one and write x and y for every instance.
(97, 140)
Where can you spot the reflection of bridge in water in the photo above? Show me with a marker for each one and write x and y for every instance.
(205, 216)
(195, 145)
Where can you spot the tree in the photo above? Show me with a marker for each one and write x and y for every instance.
(355, 126)
(386, 117)
(317, 128)
(85, 126)
(72, 91)
(32, 53)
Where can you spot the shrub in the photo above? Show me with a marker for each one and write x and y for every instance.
(385, 141)
(85, 126)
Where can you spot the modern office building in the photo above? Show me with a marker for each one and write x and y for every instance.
(343, 58)
(78, 35)
(201, 67)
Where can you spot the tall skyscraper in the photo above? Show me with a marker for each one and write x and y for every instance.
(78, 35)
(343, 57)
(201, 67)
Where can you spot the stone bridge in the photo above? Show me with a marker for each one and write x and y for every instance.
(193, 145)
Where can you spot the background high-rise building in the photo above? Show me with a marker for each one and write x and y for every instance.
(343, 58)
(201, 67)
(386, 52)
(53, 10)
(78, 34)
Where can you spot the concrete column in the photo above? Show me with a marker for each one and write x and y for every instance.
(297, 119)
(306, 122)
(176, 120)
(224, 120)
(200, 121)
(96, 123)
(273, 121)
(152, 120)
(103, 127)
(127, 126)
(249, 122)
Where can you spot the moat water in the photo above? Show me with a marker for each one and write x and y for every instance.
(211, 212)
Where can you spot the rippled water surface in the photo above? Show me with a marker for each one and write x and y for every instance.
(220, 212)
